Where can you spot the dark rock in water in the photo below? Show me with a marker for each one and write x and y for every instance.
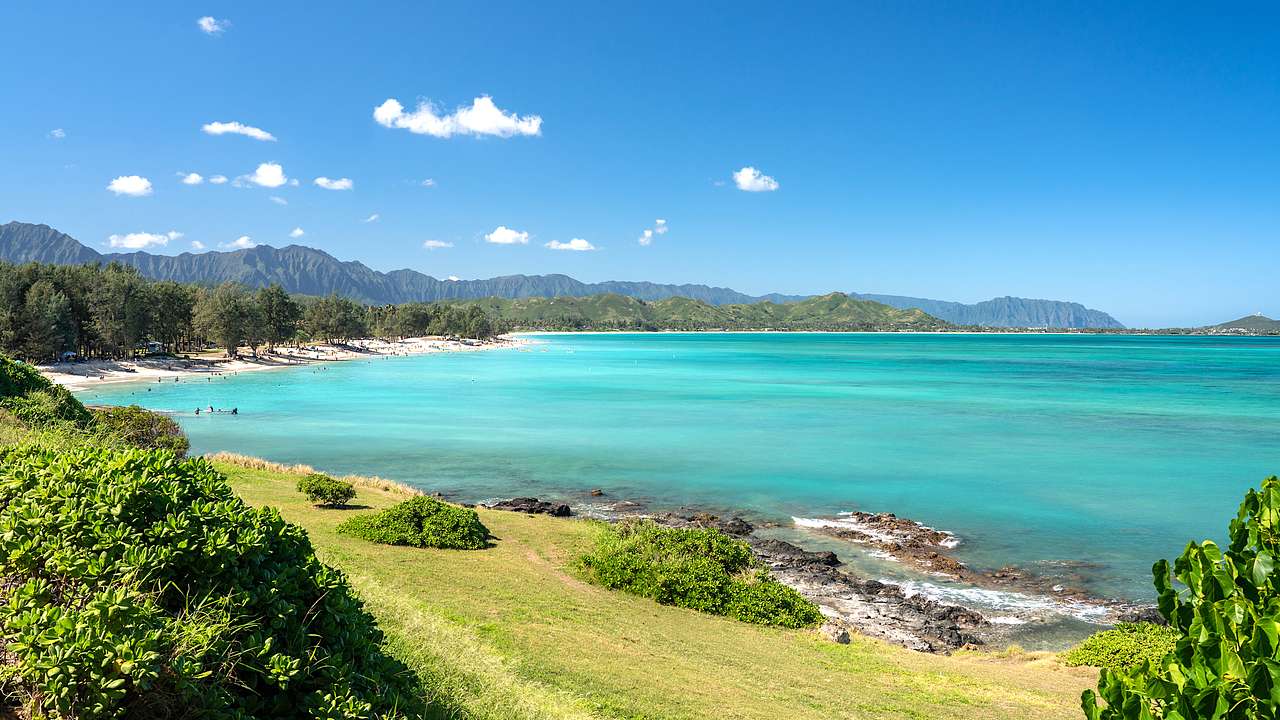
(734, 526)
(532, 506)
(1149, 614)
(597, 493)
(783, 554)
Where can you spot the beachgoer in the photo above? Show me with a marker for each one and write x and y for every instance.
(197, 411)
(235, 411)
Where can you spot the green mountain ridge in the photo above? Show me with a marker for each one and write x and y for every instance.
(308, 271)
(610, 311)
(1251, 323)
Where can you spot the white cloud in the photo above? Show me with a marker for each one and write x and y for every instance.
(268, 174)
(197, 245)
(236, 128)
(372, 218)
(297, 233)
(752, 180)
(133, 185)
(577, 244)
(279, 200)
(436, 244)
(57, 133)
(139, 240)
(218, 179)
(210, 25)
(503, 235)
(482, 118)
(191, 178)
(335, 184)
(244, 242)
(659, 228)
(453, 278)
(429, 182)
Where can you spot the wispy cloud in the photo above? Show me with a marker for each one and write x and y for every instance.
(197, 245)
(297, 233)
(481, 118)
(576, 244)
(218, 179)
(132, 185)
(503, 235)
(372, 218)
(244, 242)
(140, 240)
(268, 174)
(279, 200)
(659, 228)
(429, 182)
(334, 183)
(191, 178)
(57, 134)
(752, 180)
(236, 128)
(436, 244)
(210, 25)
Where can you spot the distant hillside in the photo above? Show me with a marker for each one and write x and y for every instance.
(836, 311)
(1006, 312)
(313, 272)
(1252, 323)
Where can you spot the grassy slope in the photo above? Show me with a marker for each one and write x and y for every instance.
(509, 632)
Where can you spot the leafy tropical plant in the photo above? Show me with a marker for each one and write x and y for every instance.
(324, 490)
(142, 428)
(134, 584)
(421, 522)
(1127, 645)
(1225, 664)
(36, 401)
(698, 568)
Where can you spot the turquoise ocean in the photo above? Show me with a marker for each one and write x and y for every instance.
(1097, 452)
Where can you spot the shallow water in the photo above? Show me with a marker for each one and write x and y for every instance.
(1035, 450)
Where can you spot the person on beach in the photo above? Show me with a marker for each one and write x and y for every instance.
(197, 411)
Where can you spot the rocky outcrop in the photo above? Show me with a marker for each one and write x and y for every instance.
(531, 506)
(869, 607)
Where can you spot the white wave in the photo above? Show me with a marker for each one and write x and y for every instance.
(1006, 601)
(1004, 620)
(846, 521)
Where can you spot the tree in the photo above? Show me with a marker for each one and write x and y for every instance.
(224, 314)
(279, 315)
(49, 325)
(121, 309)
(173, 305)
(1226, 664)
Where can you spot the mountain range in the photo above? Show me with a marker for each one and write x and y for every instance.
(309, 271)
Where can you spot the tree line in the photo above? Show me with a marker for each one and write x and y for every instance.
(113, 312)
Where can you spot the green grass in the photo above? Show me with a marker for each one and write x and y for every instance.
(512, 632)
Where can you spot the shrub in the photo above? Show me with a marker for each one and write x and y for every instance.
(1125, 646)
(36, 401)
(698, 568)
(324, 490)
(421, 522)
(141, 428)
(1227, 623)
(135, 584)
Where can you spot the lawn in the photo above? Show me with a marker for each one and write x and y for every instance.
(511, 632)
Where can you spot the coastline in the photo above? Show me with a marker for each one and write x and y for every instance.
(96, 373)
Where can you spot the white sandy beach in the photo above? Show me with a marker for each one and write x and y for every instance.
(81, 375)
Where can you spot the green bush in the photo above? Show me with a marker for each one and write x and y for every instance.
(141, 428)
(421, 522)
(324, 490)
(36, 401)
(136, 585)
(698, 568)
(1125, 646)
(1225, 663)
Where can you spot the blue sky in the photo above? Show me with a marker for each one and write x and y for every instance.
(1126, 158)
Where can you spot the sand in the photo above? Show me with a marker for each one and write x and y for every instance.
(92, 373)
